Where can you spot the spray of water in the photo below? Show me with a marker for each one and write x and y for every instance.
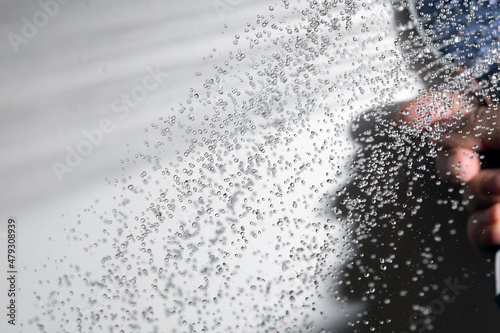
(254, 212)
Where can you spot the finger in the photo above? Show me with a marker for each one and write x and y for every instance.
(478, 130)
(458, 165)
(484, 190)
(432, 108)
(483, 229)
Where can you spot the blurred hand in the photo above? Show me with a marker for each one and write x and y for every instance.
(464, 126)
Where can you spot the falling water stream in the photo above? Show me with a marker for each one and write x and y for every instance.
(276, 194)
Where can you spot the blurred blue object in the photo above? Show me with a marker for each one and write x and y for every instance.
(466, 30)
